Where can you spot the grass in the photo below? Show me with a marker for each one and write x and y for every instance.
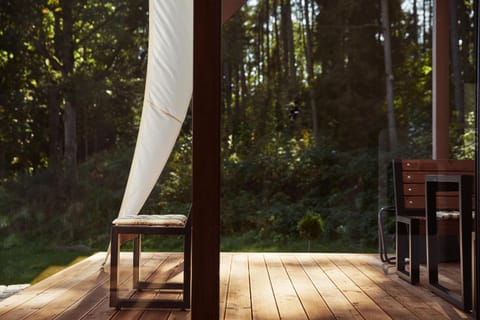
(25, 261)
(249, 243)
(30, 262)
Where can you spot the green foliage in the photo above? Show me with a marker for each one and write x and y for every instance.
(269, 190)
(310, 226)
(29, 261)
(466, 146)
(82, 213)
(275, 167)
(93, 59)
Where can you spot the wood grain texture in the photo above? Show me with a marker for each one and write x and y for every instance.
(259, 286)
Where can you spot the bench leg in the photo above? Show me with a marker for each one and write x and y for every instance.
(114, 269)
(187, 269)
(137, 247)
(414, 241)
(408, 236)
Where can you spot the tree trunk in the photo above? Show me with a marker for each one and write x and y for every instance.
(54, 144)
(244, 96)
(70, 116)
(457, 78)
(289, 49)
(463, 33)
(427, 19)
(267, 40)
(3, 163)
(227, 83)
(415, 21)
(392, 129)
(70, 134)
(310, 74)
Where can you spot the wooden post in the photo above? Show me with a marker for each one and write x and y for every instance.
(476, 234)
(440, 80)
(229, 7)
(206, 159)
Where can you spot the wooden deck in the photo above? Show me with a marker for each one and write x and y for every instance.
(253, 286)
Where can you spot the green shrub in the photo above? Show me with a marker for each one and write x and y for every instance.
(310, 227)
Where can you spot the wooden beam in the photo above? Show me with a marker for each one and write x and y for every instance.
(440, 80)
(476, 269)
(206, 159)
(229, 7)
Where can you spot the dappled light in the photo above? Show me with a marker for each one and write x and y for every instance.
(274, 123)
(252, 286)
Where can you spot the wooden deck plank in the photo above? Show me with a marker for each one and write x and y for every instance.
(102, 309)
(433, 303)
(100, 290)
(225, 270)
(381, 297)
(14, 302)
(362, 302)
(253, 286)
(449, 276)
(35, 298)
(170, 270)
(334, 298)
(423, 303)
(411, 299)
(56, 307)
(86, 303)
(313, 303)
(264, 306)
(288, 303)
(238, 296)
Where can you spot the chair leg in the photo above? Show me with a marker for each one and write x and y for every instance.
(382, 248)
(137, 247)
(401, 245)
(187, 268)
(114, 268)
(413, 239)
(407, 243)
(135, 302)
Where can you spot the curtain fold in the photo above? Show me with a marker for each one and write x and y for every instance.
(168, 90)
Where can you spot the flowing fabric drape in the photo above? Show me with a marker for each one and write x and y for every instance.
(168, 90)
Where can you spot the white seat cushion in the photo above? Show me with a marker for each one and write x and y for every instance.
(448, 214)
(167, 220)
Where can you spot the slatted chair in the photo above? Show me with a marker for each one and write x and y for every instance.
(409, 184)
(132, 228)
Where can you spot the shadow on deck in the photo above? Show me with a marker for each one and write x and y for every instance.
(253, 286)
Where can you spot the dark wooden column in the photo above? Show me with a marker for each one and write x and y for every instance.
(206, 159)
(229, 7)
(476, 269)
(440, 80)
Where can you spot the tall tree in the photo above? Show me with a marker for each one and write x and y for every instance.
(289, 48)
(455, 54)
(349, 55)
(309, 62)
(387, 51)
(72, 65)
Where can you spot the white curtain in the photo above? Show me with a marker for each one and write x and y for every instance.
(168, 91)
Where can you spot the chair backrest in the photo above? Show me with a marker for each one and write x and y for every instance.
(409, 183)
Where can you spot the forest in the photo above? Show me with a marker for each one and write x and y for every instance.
(317, 96)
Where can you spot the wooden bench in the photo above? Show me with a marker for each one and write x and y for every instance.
(132, 228)
(409, 184)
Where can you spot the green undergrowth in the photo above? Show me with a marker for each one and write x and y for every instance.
(31, 262)
(248, 243)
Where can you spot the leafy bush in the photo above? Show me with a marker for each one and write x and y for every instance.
(310, 227)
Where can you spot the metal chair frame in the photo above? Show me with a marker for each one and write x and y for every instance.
(182, 287)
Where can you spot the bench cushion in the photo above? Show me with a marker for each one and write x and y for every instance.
(167, 220)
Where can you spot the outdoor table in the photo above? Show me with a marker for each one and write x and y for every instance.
(463, 184)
